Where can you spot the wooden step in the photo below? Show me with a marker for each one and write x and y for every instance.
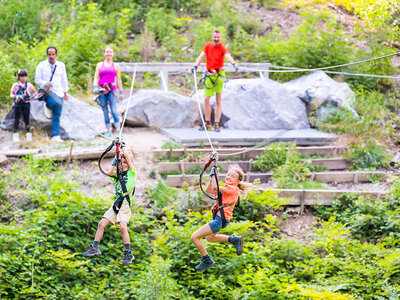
(325, 177)
(320, 197)
(253, 153)
(247, 165)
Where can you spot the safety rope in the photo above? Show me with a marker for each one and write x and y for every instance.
(127, 105)
(291, 69)
(201, 113)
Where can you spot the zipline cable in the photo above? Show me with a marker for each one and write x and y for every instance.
(288, 70)
(201, 113)
(127, 105)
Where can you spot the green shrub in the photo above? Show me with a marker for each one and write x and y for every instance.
(273, 156)
(367, 218)
(370, 156)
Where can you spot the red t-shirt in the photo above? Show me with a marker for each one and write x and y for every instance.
(215, 55)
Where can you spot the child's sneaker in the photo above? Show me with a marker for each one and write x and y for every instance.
(128, 257)
(216, 127)
(238, 243)
(205, 264)
(107, 134)
(29, 136)
(93, 251)
(16, 137)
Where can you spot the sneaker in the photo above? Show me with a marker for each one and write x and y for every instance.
(209, 127)
(107, 134)
(92, 251)
(128, 257)
(29, 136)
(16, 137)
(56, 139)
(238, 243)
(216, 127)
(205, 264)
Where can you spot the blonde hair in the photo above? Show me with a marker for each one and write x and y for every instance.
(243, 186)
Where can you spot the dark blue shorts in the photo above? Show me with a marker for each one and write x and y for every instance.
(216, 224)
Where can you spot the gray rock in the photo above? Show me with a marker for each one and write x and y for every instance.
(262, 104)
(79, 120)
(162, 109)
(3, 160)
(316, 88)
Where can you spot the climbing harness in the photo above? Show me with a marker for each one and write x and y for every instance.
(22, 91)
(210, 74)
(213, 159)
(104, 90)
(125, 193)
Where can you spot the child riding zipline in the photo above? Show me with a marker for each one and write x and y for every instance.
(227, 198)
(121, 171)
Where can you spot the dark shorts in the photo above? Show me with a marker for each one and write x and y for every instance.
(216, 224)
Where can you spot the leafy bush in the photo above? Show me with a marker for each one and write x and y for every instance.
(367, 218)
(273, 156)
(370, 156)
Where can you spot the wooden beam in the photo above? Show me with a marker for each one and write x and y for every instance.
(327, 163)
(76, 154)
(321, 150)
(183, 67)
(20, 152)
(319, 197)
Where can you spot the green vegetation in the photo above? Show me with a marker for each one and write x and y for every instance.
(290, 170)
(370, 156)
(46, 223)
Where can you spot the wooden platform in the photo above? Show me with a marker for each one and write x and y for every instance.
(193, 137)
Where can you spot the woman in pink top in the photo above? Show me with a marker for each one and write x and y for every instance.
(21, 93)
(107, 73)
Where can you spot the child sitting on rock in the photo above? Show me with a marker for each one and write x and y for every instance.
(120, 211)
(21, 93)
(221, 215)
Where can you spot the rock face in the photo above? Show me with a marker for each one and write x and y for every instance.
(79, 120)
(162, 109)
(262, 104)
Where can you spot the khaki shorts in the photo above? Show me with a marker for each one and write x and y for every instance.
(124, 214)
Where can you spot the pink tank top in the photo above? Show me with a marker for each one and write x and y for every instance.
(107, 75)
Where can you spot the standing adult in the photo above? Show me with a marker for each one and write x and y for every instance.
(51, 76)
(215, 53)
(106, 74)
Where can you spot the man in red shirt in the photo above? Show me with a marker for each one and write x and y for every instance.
(215, 52)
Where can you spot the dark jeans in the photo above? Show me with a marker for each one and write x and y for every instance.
(24, 110)
(54, 103)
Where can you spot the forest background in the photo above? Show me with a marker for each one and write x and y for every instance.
(353, 252)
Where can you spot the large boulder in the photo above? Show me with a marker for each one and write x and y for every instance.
(162, 109)
(79, 120)
(317, 89)
(261, 104)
